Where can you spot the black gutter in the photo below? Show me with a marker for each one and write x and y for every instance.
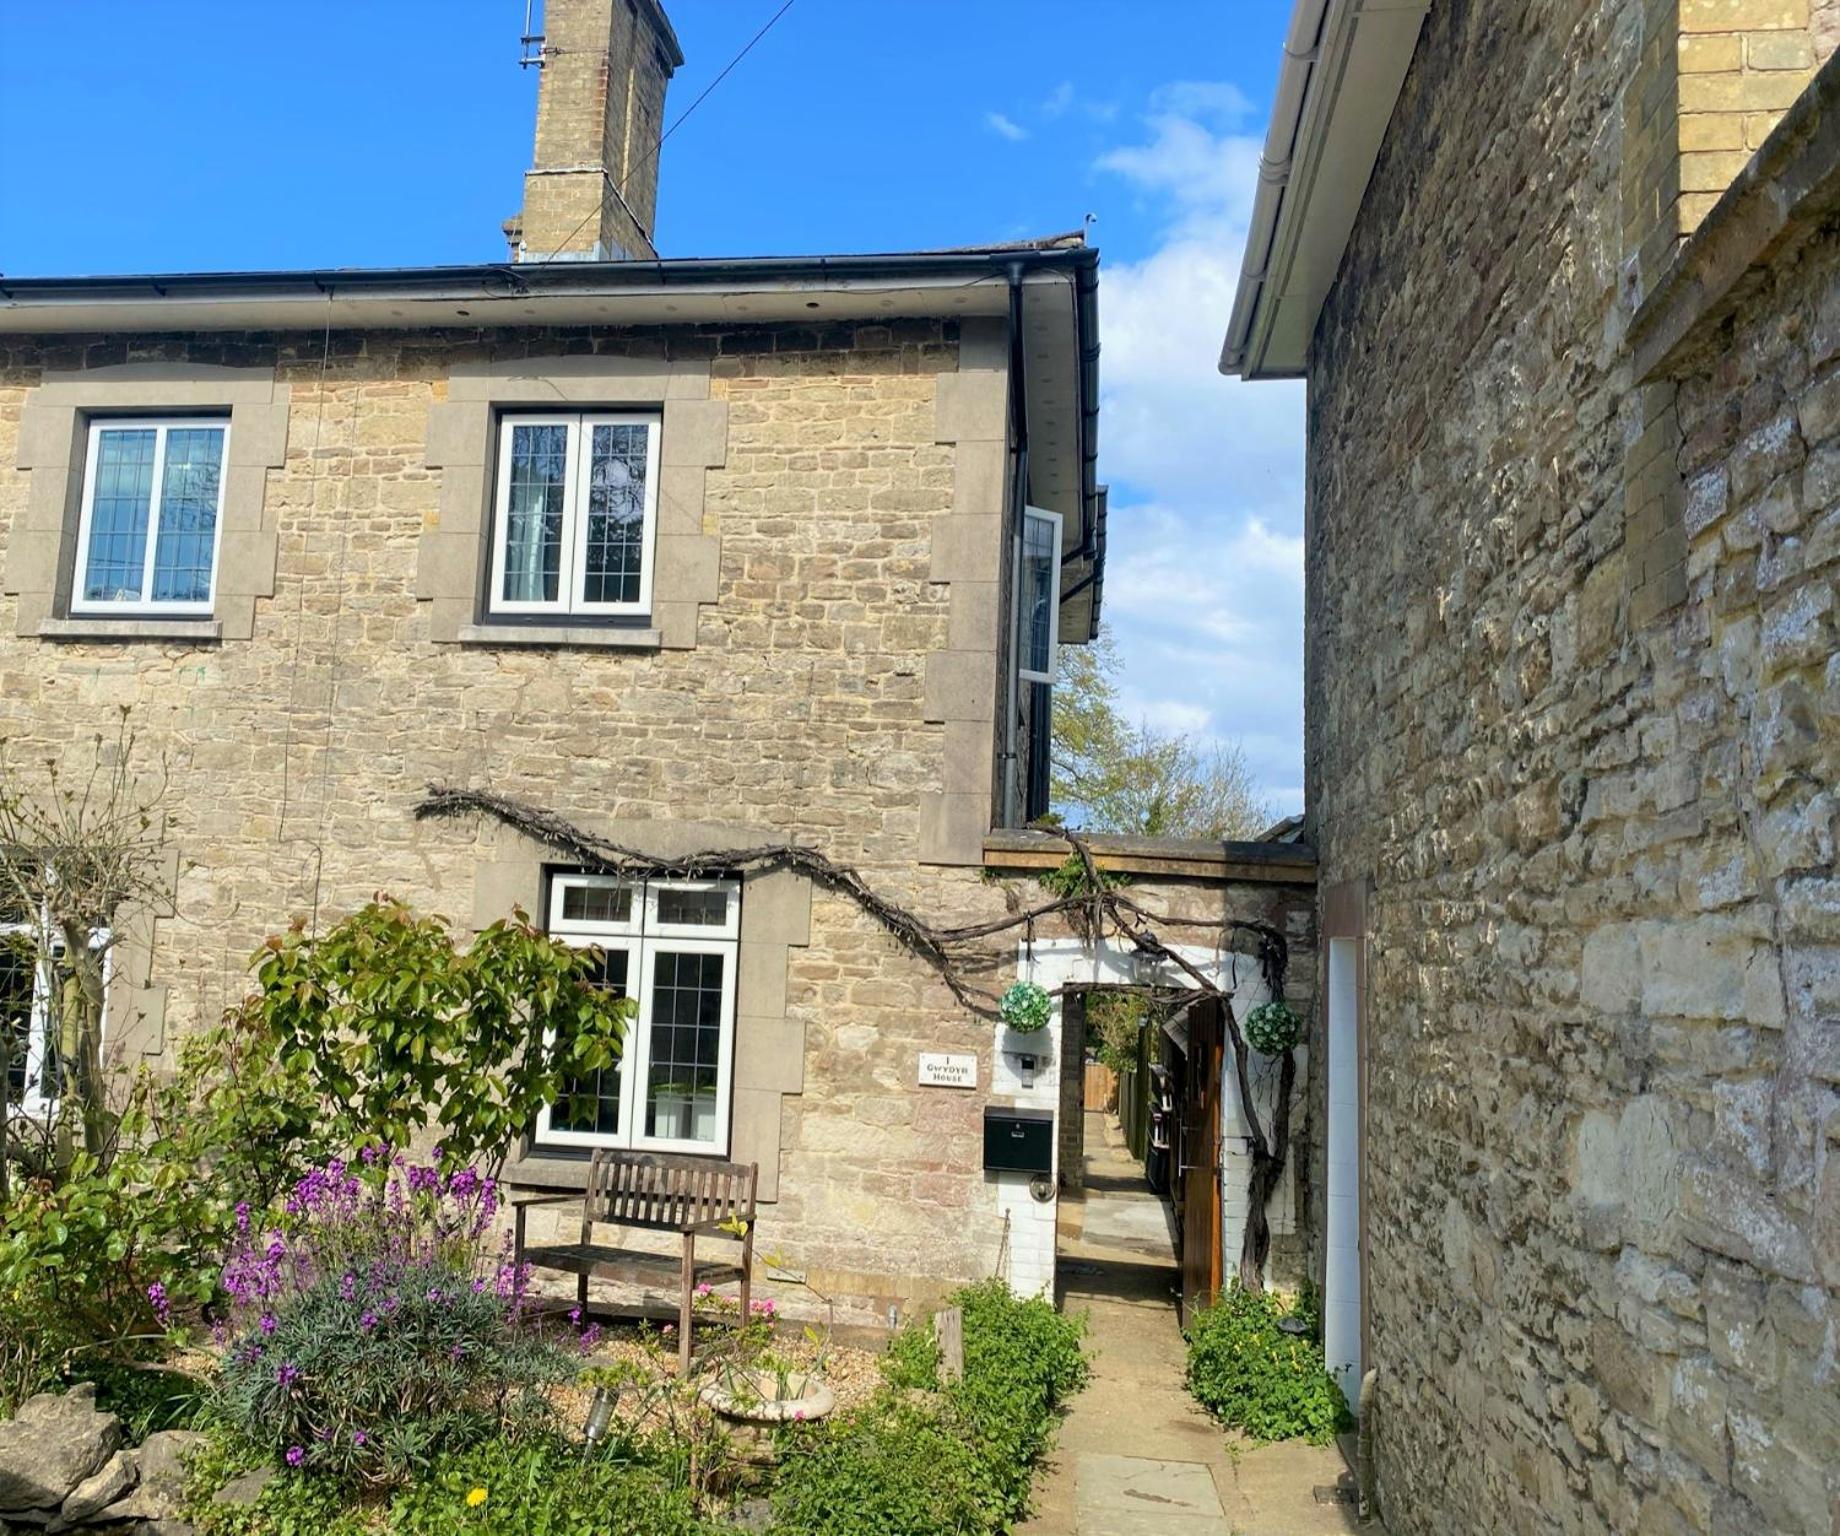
(507, 279)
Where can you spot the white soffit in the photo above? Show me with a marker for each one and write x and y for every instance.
(1344, 63)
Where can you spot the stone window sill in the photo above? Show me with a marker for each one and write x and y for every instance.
(584, 636)
(101, 627)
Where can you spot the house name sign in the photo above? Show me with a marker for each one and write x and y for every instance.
(940, 1069)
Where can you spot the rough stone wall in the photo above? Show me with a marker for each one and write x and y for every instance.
(1604, 966)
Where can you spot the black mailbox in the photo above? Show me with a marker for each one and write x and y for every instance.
(1018, 1140)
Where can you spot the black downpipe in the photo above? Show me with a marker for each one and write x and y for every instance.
(1018, 499)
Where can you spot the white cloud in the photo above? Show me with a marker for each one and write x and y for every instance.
(1204, 580)
(1059, 99)
(997, 123)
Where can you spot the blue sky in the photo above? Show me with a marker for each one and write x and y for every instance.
(169, 135)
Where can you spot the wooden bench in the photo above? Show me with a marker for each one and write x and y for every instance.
(654, 1193)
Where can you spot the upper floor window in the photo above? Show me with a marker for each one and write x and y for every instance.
(576, 516)
(1041, 593)
(152, 504)
(671, 945)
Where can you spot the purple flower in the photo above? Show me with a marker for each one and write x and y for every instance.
(295, 1456)
(242, 1216)
(368, 1321)
(267, 1323)
(162, 1308)
(359, 1437)
(287, 1375)
(348, 1286)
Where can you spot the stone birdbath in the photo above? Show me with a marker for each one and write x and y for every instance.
(754, 1402)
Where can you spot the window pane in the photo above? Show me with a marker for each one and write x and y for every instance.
(616, 514)
(1038, 594)
(686, 1041)
(119, 515)
(592, 1103)
(597, 903)
(533, 518)
(16, 970)
(188, 515)
(692, 909)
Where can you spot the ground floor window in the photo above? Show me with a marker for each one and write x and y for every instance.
(30, 981)
(671, 946)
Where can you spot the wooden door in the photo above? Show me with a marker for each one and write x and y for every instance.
(1198, 1189)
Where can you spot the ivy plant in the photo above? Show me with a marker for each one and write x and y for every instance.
(388, 1015)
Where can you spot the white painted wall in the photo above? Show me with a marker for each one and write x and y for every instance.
(1342, 1270)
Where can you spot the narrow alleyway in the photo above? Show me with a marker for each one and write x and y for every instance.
(1135, 1456)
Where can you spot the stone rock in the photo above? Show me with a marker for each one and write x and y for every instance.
(241, 1492)
(53, 1443)
(162, 1477)
(103, 1489)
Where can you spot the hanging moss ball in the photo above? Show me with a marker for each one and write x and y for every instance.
(1272, 1028)
(1025, 1007)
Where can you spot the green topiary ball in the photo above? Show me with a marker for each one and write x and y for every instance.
(1272, 1029)
(1025, 1007)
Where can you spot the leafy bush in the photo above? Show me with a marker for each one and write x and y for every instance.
(373, 1329)
(386, 1014)
(543, 1486)
(1252, 1377)
(527, 1485)
(1022, 1360)
(912, 1360)
(953, 1464)
(895, 1467)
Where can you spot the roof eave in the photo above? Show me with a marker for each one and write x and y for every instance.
(1344, 64)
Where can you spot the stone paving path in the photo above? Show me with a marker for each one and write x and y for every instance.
(1135, 1456)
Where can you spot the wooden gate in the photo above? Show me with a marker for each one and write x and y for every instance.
(1198, 1185)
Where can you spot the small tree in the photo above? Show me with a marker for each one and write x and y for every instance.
(77, 852)
(1111, 776)
(406, 1032)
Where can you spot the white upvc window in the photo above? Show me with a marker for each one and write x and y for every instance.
(152, 515)
(1040, 594)
(30, 976)
(575, 521)
(672, 946)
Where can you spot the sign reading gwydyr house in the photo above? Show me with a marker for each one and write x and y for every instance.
(939, 1069)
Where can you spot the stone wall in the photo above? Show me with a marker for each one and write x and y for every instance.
(1603, 961)
(296, 753)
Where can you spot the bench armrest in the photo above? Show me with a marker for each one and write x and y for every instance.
(564, 1199)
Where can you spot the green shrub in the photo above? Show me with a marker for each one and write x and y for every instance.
(912, 1360)
(1254, 1378)
(1022, 1360)
(952, 1463)
(533, 1485)
(895, 1467)
(543, 1486)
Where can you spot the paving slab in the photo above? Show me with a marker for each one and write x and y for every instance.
(1135, 1496)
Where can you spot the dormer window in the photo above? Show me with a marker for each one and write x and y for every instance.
(575, 520)
(152, 506)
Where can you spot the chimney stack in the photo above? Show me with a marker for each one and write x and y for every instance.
(591, 192)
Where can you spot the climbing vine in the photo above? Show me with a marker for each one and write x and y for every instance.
(1095, 903)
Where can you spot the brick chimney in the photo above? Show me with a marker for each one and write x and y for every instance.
(591, 192)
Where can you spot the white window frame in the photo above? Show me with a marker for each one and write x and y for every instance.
(1026, 673)
(162, 427)
(642, 939)
(572, 577)
(34, 1103)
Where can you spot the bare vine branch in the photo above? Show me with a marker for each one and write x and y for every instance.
(1097, 908)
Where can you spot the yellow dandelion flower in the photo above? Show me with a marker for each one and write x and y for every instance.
(475, 1498)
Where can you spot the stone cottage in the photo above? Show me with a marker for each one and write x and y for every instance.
(1564, 281)
(696, 554)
